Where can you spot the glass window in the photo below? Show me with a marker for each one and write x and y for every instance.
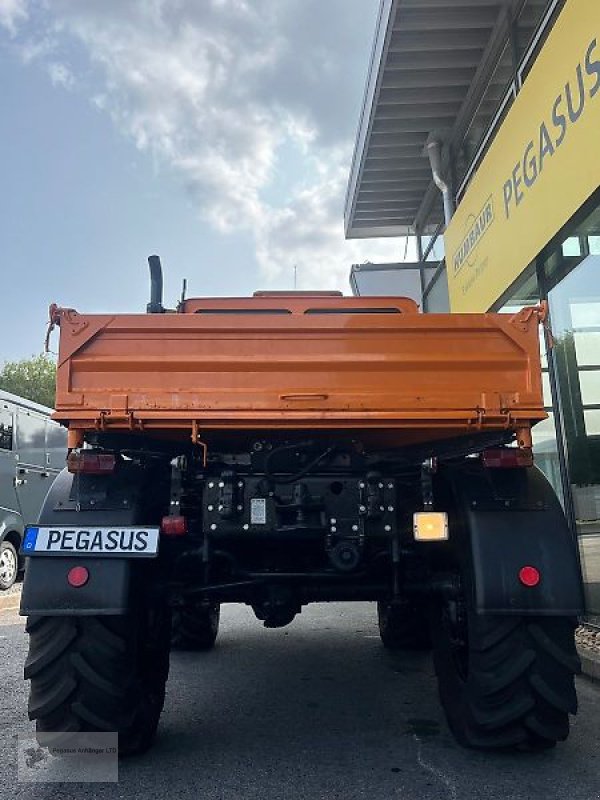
(31, 437)
(594, 245)
(575, 320)
(6, 429)
(587, 348)
(572, 246)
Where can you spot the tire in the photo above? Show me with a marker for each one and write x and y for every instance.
(403, 626)
(195, 627)
(9, 565)
(505, 682)
(99, 674)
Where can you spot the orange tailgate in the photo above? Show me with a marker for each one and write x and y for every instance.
(300, 363)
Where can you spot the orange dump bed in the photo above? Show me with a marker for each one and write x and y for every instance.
(369, 365)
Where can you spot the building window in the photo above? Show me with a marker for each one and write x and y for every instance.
(572, 277)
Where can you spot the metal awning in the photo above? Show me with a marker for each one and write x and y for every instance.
(439, 68)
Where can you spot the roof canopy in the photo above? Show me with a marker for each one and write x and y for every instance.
(439, 68)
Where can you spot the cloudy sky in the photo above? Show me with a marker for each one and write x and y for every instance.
(217, 133)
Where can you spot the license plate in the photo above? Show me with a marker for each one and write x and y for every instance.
(122, 542)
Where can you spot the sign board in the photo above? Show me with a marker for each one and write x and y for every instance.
(543, 164)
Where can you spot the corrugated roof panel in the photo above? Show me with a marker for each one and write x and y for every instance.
(440, 71)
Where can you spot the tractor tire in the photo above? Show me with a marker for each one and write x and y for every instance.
(505, 682)
(99, 674)
(195, 627)
(403, 626)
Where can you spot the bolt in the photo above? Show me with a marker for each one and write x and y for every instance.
(92, 502)
(210, 508)
(355, 527)
(333, 529)
(361, 485)
(390, 485)
(387, 528)
(362, 509)
(390, 508)
(213, 527)
(239, 508)
(333, 520)
(221, 485)
(381, 485)
(220, 508)
(246, 526)
(211, 485)
(240, 484)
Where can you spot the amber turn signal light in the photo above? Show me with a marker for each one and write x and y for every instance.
(430, 526)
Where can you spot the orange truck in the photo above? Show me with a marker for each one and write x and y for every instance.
(291, 448)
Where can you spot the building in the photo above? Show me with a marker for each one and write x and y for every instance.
(480, 135)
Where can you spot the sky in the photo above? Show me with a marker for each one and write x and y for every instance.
(216, 133)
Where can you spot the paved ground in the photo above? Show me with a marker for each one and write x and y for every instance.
(317, 710)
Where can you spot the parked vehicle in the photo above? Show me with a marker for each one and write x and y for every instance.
(292, 448)
(33, 450)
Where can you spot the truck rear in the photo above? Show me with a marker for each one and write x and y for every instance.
(294, 448)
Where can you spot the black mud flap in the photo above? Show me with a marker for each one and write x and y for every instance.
(46, 590)
(89, 500)
(508, 519)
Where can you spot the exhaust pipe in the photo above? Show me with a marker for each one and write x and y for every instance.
(155, 305)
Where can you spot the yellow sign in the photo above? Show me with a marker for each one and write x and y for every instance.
(541, 167)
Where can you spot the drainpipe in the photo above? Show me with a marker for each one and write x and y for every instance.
(434, 151)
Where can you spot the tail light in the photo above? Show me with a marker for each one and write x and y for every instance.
(174, 526)
(78, 577)
(90, 463)
(529, 576)
(507, 457)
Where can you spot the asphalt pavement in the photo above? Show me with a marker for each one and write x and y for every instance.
(315, 710)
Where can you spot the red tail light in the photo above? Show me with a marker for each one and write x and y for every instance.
(174, 526)
(529, 576)
(90, 463)
(78, 577)
(507, 458)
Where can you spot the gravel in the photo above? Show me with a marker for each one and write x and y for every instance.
(588, 639)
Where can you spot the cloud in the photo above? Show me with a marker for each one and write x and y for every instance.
(12, 12)
(253, 103)
(60, 75)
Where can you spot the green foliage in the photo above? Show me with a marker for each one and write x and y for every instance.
(33, 378)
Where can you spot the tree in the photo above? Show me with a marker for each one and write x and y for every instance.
(33, 378)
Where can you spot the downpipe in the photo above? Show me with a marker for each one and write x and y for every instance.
(434, 151)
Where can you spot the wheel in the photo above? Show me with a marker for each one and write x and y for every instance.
(195, 627)
(9, 565)
(99, 674)
(505, 682)
(403, 626)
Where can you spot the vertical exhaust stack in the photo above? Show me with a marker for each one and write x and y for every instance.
(155, 305)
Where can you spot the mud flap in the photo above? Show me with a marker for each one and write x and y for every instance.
(92, 500)
(511, 518)
(46, 590)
